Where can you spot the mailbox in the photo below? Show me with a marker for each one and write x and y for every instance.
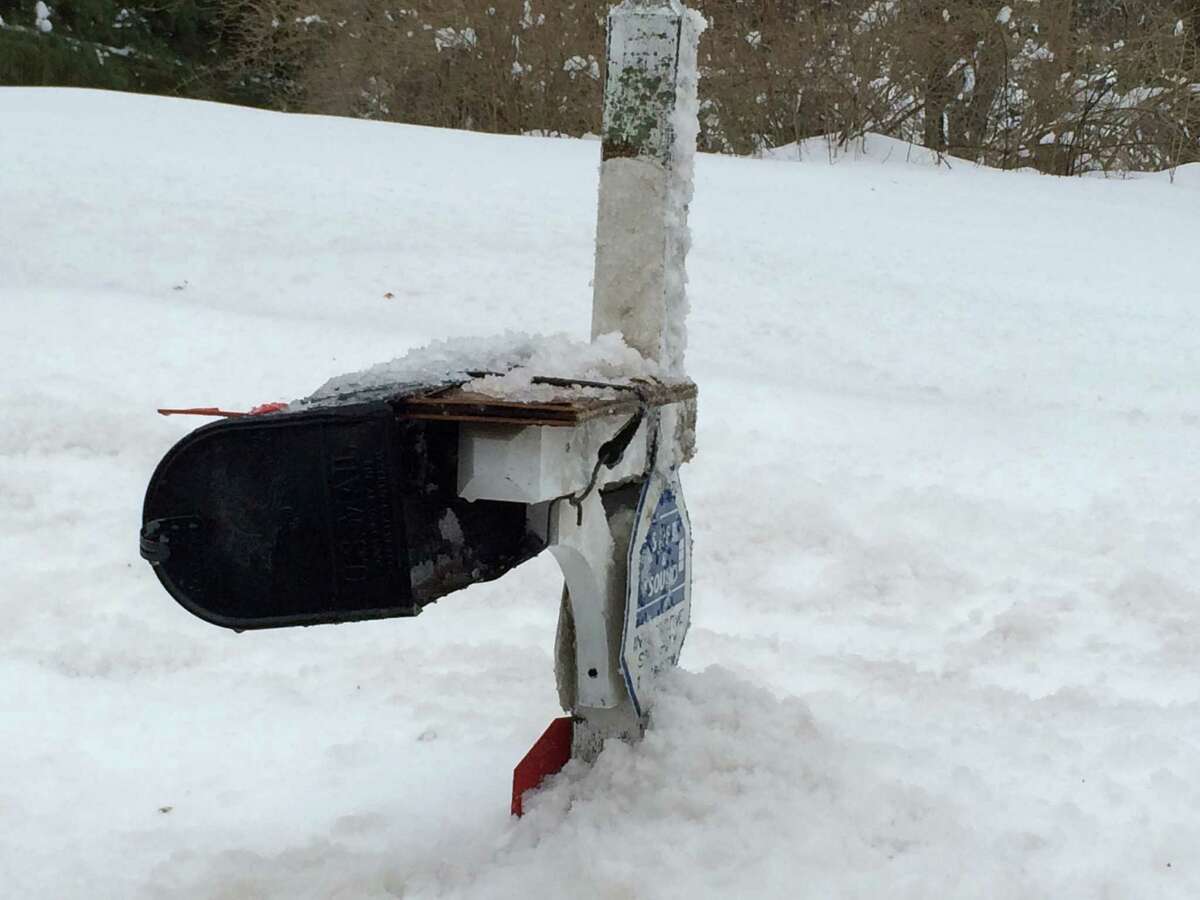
(373, 505)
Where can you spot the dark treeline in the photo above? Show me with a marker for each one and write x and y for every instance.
(167, 49)
(1060, 85)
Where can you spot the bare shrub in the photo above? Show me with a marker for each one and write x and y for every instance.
(1061, 85)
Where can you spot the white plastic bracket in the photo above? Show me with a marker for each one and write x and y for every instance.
(583, 544)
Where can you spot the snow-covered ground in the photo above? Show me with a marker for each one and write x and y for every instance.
(946, 635)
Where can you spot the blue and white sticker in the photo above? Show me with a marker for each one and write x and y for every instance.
(658, 599)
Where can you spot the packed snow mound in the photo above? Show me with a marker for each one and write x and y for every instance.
(1187, 176)
(504, 366)
(946, 618)
(871, 147)
(727, 771)
(883, 150)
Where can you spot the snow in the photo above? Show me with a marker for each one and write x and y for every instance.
(685, 126)
(510, 362)
(42, 14)
(577, 64)
(873, 148)
(450, 528)
(946, 619)
(968, 78)
(453, 39)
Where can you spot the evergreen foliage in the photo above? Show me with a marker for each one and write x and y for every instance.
(171, 48)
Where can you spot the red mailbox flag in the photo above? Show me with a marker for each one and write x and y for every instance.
(551, 752)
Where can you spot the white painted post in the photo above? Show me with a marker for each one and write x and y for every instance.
(649, 144)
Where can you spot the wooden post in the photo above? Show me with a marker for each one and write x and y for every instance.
(649, 134)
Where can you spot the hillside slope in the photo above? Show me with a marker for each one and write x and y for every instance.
(946, 618)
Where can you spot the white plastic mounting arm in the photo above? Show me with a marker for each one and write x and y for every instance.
(584, 548)
(545, 468)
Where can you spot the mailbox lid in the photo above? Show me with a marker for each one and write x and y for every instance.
(326, 515)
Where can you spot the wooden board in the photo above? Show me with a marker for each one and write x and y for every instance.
(572, 404)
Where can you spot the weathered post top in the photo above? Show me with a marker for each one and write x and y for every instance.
(649, 134)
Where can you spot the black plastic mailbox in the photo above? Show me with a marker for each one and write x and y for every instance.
(335, 514)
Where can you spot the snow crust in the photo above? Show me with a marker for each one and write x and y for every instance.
(876, 148)
(685, 126)
(511, 362)
(946, 618)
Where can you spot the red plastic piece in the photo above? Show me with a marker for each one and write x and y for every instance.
(224, 413)
(267, 408)
(551, 752)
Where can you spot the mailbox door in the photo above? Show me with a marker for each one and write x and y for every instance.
(328, 515)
